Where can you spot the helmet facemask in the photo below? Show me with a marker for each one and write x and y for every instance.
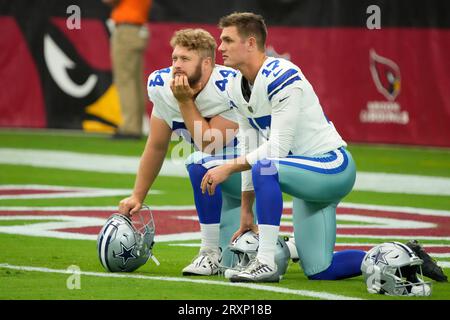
(240, 259)
(245, 249)
(144, 227)
(409, 281)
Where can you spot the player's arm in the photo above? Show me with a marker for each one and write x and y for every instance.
(286, 111)
(207, 135)
(247, 216)
(220, 133)
(150, 164)
(247, 136)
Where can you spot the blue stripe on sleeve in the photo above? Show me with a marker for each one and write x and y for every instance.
(261, 122)
(278, 81)
(292, 80)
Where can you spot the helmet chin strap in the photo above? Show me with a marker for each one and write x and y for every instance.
(155, 260)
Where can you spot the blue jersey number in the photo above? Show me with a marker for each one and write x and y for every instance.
(274, 64)
(158, 80)
(221, 84)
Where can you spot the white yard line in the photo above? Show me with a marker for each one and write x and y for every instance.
(64, 192)
(392, 237)
(365, 181)
(400, 209)
(83, 161)
(444, 264)
(304, 293)
(402, 183)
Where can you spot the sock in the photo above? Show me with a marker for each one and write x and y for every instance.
(269, 199)
(208, 207)
(210, 236)
(345, 264)
(268, 237)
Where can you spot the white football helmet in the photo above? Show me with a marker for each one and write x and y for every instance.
(245, 247)
(392, 268)
(124, 244)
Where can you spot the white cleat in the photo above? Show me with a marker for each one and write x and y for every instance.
(257, 272)
(205, 264)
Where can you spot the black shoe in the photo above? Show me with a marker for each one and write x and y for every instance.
(430, 268)
(126, 136)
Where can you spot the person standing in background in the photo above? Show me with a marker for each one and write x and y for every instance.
(128, 43)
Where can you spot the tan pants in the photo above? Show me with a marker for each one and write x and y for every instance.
(128, 45)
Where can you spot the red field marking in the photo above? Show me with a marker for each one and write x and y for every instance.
(16, 192)
(172, 222)
(167, 222)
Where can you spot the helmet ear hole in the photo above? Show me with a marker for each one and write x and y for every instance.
(410, 273)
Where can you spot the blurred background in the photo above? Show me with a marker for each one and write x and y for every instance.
(382, 73)
(381, 70)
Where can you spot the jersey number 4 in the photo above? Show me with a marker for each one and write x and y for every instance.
(158, 80)
(221, 84)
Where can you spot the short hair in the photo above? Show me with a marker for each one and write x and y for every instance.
(198, 39)
(247, 24)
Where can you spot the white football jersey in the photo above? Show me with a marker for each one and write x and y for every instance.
(289, 125)
(211, 101)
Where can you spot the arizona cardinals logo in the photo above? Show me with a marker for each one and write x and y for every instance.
(72, 66)
(386, 75)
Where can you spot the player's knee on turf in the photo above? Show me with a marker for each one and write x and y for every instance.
(345, 264)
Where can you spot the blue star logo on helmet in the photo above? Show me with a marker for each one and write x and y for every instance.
(380, 257)
(126, 254)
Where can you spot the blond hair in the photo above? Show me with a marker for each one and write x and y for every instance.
(199, 40)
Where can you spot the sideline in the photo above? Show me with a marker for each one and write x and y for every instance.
(365, 181)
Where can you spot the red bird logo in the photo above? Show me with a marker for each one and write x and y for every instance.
(386, 75)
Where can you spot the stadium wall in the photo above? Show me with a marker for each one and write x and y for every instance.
(387, 85)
